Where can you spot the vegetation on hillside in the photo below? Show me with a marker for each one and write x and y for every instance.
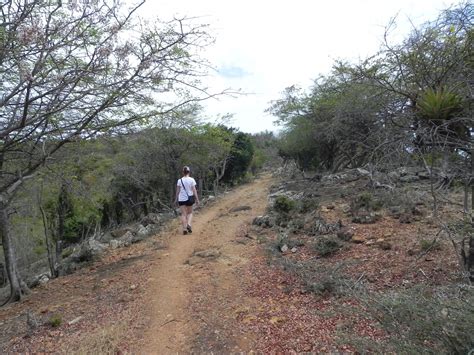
(410, 104)
(386, 152)
(97, 119)
(375, 212)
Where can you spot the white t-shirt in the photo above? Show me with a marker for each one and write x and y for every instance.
(188, 183)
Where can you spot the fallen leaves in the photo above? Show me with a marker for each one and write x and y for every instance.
(92, 299)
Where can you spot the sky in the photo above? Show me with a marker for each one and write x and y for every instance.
(261, 46)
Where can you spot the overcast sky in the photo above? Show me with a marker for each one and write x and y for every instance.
(264, 46)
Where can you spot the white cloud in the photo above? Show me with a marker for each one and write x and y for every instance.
(264, 46)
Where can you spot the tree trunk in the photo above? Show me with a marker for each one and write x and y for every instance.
(47, 239)
(59, 251)
(145, 206)
(3, 275)
(219, 176)
(63, 207)
(10, 257)
(471, 182)
(172, 191)
(201, 186)
(216, 187)
(466, 199)
(470, 259)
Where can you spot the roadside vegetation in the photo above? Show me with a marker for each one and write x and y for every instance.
(369, 232)
(97, 120)
(374, 215)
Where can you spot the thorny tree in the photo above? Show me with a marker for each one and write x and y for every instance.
(431, 74)
(72, 70)
(411, 102)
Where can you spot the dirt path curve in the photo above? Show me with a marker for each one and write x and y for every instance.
(196, 296)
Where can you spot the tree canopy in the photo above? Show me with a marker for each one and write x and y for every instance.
(408, 96)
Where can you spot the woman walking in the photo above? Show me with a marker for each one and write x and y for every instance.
(186, 196)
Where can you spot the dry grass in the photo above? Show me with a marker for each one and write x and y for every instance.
(102, 341)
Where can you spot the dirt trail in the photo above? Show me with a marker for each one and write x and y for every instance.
(195, 300)
(153, 297)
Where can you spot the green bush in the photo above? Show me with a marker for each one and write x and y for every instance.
(364, 200)
(427, 245)
(327, 245)
(284, 204)
(39, 249)
(55, 320)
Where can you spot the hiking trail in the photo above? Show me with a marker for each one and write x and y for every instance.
(195, 293)
(171, 293)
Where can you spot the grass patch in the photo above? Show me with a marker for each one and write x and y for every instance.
(427, 245)
(423, 320)
(55, 320)
(102, 341)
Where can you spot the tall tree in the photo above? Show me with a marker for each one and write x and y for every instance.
(70, 71)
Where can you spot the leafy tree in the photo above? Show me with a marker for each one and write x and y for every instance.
(211, 152)
(416, 95)
(241, 155)
(410, 102)
(72, 71)
(430, 78)
(145, 174)
(265, 144)
(338, 124)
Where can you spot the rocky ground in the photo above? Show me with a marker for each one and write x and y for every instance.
(289, 282)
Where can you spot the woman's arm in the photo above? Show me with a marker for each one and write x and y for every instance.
(178, 189)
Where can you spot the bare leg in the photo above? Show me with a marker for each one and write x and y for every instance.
(189, 214)
(184, 216)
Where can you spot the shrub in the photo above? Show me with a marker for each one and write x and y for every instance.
(55, 320)
(282, 220)
(39, 250)
(399, 201)
(327, 245)
(423, 320)
(366, 201)
(281, 240)
(296, 224)
(320, 226)
(427, 245)
(308, 204)
(319, 279)
(284, 239)
(284, 204)
(326, 285)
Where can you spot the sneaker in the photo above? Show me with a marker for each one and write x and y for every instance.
(185, 232)
(189, 229)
